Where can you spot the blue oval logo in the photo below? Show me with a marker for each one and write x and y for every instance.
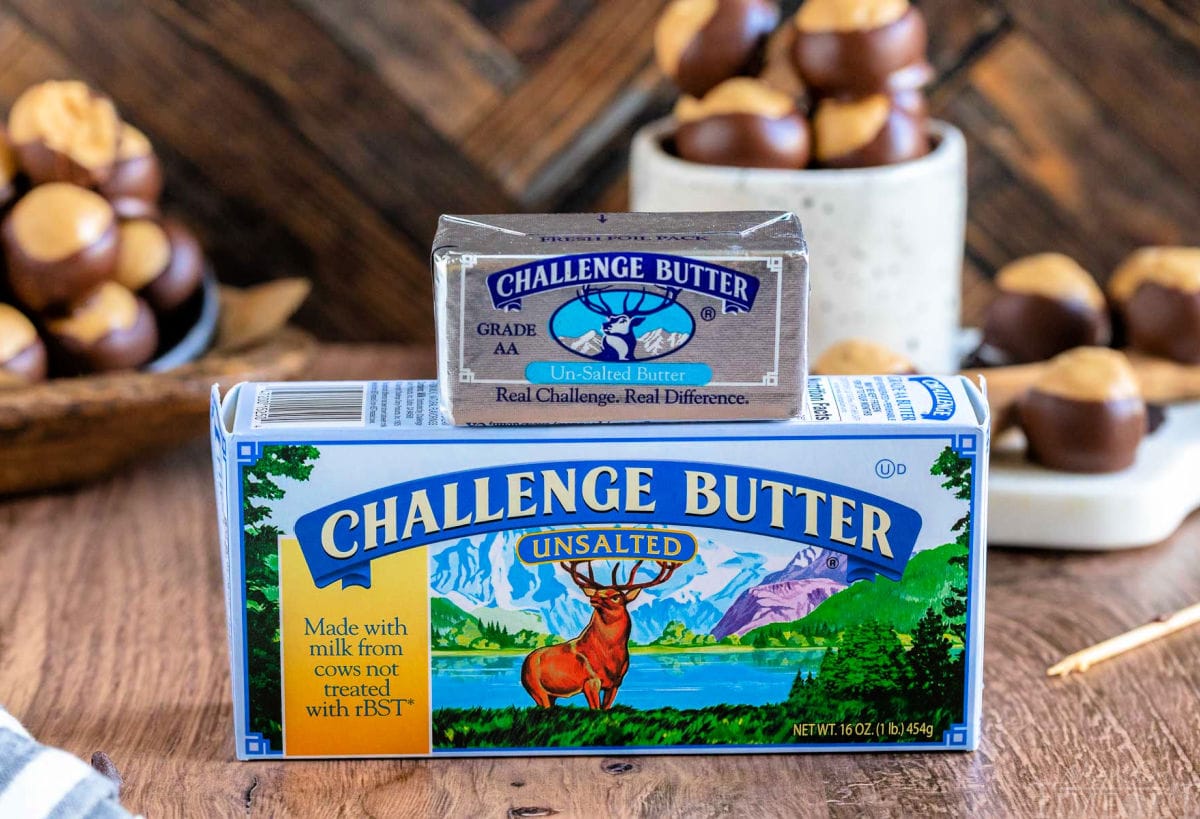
(623, 324)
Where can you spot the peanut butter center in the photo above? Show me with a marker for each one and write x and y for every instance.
(740, 95)
(842, 127)
(16, 332)
(70, 119)
(1175, 267)
(109, 309)
(848, 15)
(1090, 374)
(133, 145)
(1052, 275)
(143, 254)
(677, 27)
(57, 220)
(858, 356)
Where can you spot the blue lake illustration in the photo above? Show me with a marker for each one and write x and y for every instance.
(682, 679)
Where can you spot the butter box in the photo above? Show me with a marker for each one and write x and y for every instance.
(564, 318)
(398, 586)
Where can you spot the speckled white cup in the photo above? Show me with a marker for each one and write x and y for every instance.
(885, 244)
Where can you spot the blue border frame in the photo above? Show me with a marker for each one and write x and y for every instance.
(957, 736)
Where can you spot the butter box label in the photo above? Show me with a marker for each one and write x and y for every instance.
(540, 324)
(398, 586)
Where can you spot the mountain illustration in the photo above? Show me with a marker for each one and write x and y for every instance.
(811, 577)
(590, 343)
(659, 342)
(477, 576)
(652, 344)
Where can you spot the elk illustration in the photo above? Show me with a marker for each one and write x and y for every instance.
(620, 344)
(595, 662)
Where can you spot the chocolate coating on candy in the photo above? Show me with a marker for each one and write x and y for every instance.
(136, 181)
(867, 132)
(1086, 413)
(22, 353)
(853, 48)
(65, 132)
(859, 356)
(701, 43)
(161, 261)
(1157, 291)
(60, 241)
(8, 170)
(1047, 304)
(742, 122)
(111, 329)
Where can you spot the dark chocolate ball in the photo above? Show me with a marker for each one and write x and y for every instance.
(161, 261)
(1157, 295)
(742, 122)
(1086, 413)
(110, 329)
(64, 131)
(60, 242)
(136, 181)
(860, 356)
(867, 132)
(1046, 304)
(701, 43)
(853, 48)
(22, 353)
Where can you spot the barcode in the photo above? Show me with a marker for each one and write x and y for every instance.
(310, 404)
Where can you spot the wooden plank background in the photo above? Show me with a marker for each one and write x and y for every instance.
(324, 137)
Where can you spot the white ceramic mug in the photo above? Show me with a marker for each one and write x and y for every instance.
(885, 244)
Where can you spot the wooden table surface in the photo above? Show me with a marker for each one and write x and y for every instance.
(112, 637)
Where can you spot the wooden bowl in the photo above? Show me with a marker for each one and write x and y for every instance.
(71, 430)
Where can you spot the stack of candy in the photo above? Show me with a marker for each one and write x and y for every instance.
(94, 279)
(837, 86)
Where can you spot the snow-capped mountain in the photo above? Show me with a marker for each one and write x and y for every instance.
(476, 575)
(658, 341)
(590, 343)
(809, 579)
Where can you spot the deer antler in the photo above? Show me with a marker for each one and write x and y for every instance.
(597, 305)
(582, 582)
(666, 301)
(666, 568)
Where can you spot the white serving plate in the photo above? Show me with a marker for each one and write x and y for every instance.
(1036, 507)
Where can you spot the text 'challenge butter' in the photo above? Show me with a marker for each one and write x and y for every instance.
(620, 317)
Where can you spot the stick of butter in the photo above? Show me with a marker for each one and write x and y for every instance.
(581, 318)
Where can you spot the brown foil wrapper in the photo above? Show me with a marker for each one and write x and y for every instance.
(747, 140)
(886, 59)
(1029, 327)
(1164, 321)
(1082, 436)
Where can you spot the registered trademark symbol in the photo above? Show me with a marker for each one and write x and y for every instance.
(831, 563)
(708, 313)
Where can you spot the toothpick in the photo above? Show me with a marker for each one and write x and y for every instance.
(1154, 630)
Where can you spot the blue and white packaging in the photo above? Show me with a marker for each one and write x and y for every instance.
(398, 586)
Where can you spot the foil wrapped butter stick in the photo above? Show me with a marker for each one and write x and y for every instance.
(583, 318)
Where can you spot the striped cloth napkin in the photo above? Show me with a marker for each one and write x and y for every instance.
(37, 782)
